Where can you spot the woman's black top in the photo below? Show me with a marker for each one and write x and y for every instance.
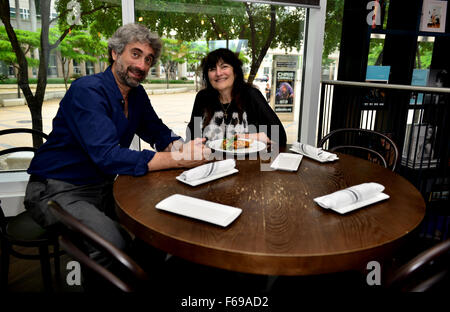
(255, 116)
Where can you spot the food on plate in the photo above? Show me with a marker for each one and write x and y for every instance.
(235, 143)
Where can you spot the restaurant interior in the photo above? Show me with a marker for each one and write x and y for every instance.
(270, 226)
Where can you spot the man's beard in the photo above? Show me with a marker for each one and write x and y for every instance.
(122, 74)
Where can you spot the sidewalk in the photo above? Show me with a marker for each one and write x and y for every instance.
(8, 93)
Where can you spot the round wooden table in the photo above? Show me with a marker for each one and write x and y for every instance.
(281, 230)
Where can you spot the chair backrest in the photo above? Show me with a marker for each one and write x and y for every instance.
(425, 271)
(84, 232)
(21, 148)
(14, 150)
(368, 144)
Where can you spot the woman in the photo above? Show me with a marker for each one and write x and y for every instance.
(228, 106)
(285, 94)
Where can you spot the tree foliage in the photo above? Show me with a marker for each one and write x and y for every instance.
(28, 41)
(81, 46)
(375, 56)
(174, 52)
(97, 16)
(424, 55)
(333, 27)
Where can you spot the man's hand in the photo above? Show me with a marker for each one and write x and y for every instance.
(174, 146)
(191, 154)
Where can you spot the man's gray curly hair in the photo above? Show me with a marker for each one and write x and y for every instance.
(134, 33)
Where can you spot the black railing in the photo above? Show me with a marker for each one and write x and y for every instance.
(417, 119)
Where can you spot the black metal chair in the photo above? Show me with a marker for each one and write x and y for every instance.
(429, 271)
(22, 230)
(368, 144)
(78, 232)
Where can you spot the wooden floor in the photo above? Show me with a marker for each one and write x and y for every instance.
(25, 275)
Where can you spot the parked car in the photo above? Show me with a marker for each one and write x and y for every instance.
(263, 78)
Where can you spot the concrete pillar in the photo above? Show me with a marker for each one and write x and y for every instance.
(83, 68)
(182, 70)
(158, 70)
(59, 65)
(97, 67)
(70, 68)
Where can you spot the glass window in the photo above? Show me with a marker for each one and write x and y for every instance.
(332, 39)
(3, 70)
(424, 52)
(76, 68)
(271, 55)
(105, 21)
(376, 45)
(11, 71)
(89, 68)
(52, 66)
(24, 13)
(102, 65)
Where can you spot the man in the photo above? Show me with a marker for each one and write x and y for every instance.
(92, 131)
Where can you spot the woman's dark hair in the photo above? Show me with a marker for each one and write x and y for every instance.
(232, 59)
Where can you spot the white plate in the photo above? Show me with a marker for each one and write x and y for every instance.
(357, 205)
(200, 209)
(309, 156)
(207, 179)
(287, 161)
(255, 147)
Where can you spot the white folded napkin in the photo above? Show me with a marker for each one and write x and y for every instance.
(313, 152)
(350, 195)
(207, 170)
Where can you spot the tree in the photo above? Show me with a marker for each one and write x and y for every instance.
(424, 54)
(197, 51)
(80, 46)
(375, 56)
(88, 12)
(28, 41)
(333, 27)
(174, 52)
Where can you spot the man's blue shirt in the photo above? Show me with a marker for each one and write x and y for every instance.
(91, 135)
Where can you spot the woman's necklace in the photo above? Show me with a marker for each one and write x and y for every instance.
(225, 109)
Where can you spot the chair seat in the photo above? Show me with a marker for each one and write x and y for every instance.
(23, 227)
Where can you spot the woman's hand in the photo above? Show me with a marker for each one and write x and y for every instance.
(260, 136)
